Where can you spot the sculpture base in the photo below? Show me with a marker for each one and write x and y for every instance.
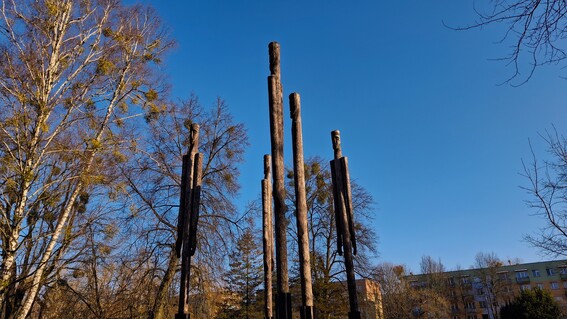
(354, 315)
(306, 312)
(283, 305)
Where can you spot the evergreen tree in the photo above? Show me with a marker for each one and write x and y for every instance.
(532, 304)
(243, 278)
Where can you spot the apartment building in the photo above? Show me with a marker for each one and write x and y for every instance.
(369, 299)
(479, 293)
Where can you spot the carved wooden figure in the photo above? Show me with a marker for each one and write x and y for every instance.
(186, 243)
(342, 199)
(283, 297)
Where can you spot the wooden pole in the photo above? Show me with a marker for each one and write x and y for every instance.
(301, 207)
(345, 225)
(268, 237)
(283, 298)
(189, 214)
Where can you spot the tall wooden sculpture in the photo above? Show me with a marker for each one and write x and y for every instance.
(342, 198)
(268, 237)
(186, 243)
(306, 311)
(275, 93)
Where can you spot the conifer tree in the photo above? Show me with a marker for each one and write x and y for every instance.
(244, 278)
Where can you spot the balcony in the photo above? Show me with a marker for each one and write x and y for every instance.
(523, 280)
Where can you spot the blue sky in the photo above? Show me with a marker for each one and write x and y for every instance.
(427, 129)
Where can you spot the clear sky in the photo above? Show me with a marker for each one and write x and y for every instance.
(427, 129)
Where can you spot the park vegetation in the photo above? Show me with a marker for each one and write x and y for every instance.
(90, 162)
(91, 144)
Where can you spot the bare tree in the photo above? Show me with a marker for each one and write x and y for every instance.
(535, 30)
(326, 265)
(431, 301)
(548, 195)
(72, 75)
(494, 288)
(404, 298)
(153, 179)
(397, 300)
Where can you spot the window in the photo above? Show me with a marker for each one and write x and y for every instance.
(503, 276)
(480, 291)
(540, 286)
(565, 284)
(483, 304)
(522, 274)
(455, 317)
(471, 317)
(525, 287)
(470, 305)
(554, 285)
(550, 271)
(465, 280)
(454, 307)
(451, 281)
(536, 273)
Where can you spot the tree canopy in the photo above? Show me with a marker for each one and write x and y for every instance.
(73, 74)
(532, 304)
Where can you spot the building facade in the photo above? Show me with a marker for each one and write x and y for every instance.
(479, 293)
(369, 300)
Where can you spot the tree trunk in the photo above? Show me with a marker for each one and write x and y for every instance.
(162, 297)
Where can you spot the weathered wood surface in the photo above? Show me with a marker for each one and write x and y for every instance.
(186, 243)
(275, 93)
(342, 199)
(301, 207)
(268, 237)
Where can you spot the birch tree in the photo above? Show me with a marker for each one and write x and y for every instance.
(73, 76)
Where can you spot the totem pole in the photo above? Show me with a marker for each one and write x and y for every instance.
(186, 244)
(268, 237)
(283, 297)
(306, 311)
(342, 198)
